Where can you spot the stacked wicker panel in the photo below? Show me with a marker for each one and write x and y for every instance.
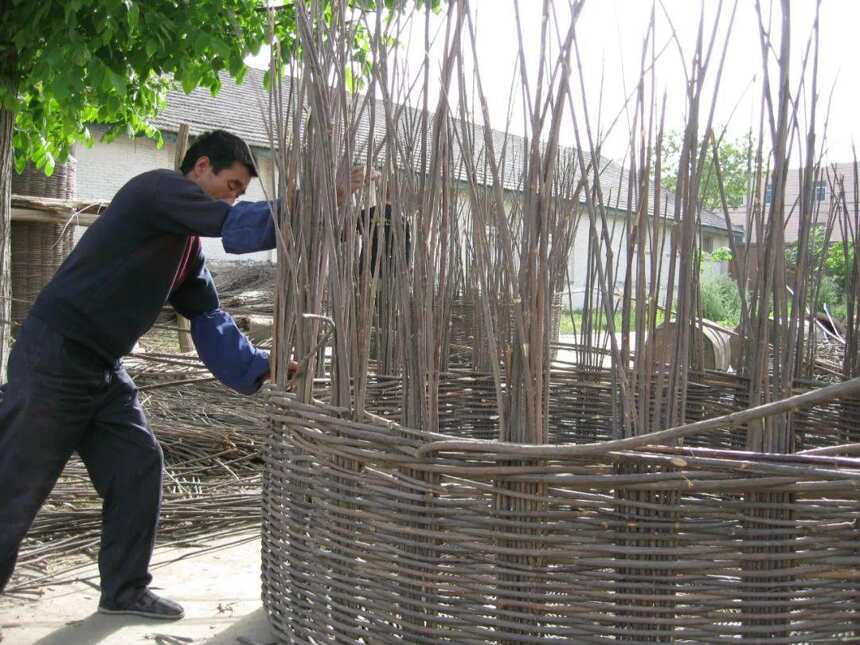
(39, 248)
(370, 536)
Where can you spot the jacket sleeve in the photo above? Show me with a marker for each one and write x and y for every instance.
(228, 353)
(196, 295)
(222, 347)
(249, 227)
(183, 208)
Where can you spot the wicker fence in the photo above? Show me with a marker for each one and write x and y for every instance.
(370, 534)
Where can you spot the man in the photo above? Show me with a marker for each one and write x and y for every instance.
(67, 390)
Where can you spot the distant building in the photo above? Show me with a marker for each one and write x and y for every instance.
(824, 198)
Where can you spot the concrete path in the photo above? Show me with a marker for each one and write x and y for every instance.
(220, 591)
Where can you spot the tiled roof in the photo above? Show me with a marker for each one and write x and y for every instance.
(241, 109)
(237, 108)
(713, 220)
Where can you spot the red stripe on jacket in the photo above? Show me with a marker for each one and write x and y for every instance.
(192, 247)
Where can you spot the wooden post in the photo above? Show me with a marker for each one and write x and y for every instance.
(185, 342)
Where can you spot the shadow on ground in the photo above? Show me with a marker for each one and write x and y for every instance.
(254, 629)
(95, 628)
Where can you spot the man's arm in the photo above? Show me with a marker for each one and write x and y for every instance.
(250, 226)
(222, 347)
(183, 208)
(228, 353)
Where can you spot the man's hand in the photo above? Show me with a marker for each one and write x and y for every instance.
(293, 371)
(356, 181)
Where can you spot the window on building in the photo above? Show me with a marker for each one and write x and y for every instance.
(820, 190)
(708, 244)
(768, 194)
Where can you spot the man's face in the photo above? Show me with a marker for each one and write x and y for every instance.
(228, 185)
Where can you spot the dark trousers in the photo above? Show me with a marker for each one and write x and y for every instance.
(61, 398)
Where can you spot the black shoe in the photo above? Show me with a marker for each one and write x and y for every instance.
(148, 605)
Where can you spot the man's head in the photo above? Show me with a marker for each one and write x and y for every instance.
(221, 164)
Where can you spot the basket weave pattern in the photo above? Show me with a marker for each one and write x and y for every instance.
(366, 539)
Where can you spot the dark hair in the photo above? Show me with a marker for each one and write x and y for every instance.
(223, 150)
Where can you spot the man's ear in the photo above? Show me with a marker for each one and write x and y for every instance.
(201, 166)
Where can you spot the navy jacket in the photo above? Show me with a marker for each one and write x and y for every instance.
(111, 288)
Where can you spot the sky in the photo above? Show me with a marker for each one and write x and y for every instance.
(609, 36)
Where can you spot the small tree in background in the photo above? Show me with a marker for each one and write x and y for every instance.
(734, 168)
(836, 260)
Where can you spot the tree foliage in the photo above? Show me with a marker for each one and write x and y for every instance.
(733, 156)
(77, 62)
(721, 254)
(66, 64)
(836, 258)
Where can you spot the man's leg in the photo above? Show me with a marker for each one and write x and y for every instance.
(125, 463)
(46, 406)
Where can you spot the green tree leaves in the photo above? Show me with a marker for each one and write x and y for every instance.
(71, 62)
(837, 258)
(733, 168)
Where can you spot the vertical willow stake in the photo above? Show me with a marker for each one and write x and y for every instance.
(186, 344)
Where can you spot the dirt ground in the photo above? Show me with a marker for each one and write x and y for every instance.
(220, 591)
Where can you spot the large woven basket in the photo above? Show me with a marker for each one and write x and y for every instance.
(377, 533)
(38, 249)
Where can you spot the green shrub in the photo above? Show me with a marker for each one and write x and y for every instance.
(840, 311)
(720, 300)
(829, 292)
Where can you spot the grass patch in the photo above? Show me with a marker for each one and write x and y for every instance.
(571, 321)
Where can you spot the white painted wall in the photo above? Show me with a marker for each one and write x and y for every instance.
(103, 169)
(578, 258)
